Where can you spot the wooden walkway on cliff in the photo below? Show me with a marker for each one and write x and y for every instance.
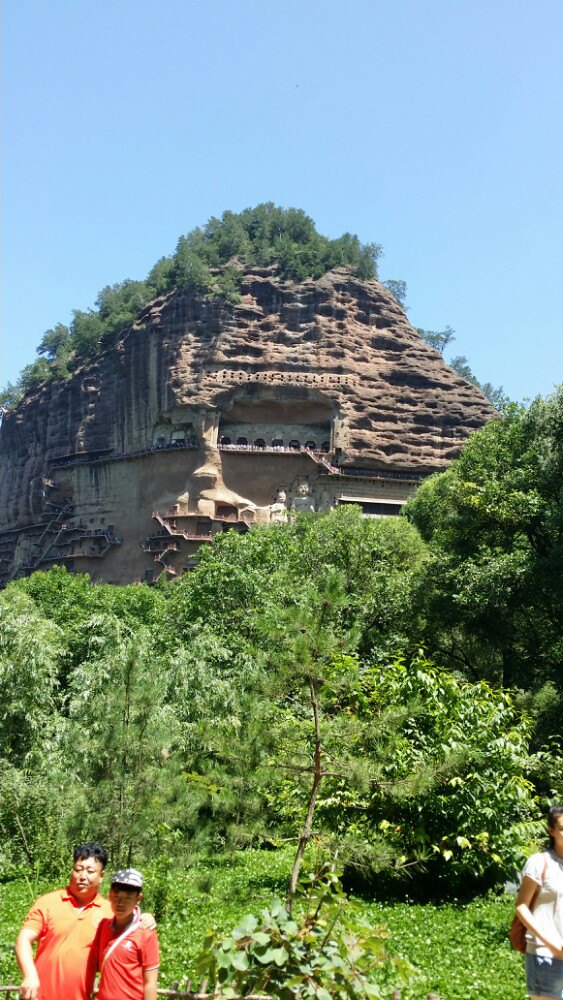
(320, 457)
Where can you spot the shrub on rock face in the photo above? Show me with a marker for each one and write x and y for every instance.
(325, 949)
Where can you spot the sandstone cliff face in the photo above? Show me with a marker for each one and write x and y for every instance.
(333, 360)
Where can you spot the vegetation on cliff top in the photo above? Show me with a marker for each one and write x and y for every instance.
(208, 260)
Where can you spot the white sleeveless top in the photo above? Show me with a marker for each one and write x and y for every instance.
(548, 907)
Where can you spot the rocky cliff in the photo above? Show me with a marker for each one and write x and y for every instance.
(331, 363)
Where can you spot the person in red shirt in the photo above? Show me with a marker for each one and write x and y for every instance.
(123, 952)
(64, 925)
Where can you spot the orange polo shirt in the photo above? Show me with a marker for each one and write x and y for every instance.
(66, 932)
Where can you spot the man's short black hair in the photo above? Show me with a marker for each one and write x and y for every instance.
(91, 850)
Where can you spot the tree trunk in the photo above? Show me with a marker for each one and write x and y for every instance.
(317, 776)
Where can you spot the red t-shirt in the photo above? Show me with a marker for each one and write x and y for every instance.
(122, 972)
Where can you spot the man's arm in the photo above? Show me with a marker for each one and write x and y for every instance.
(150, 981)
(148, 923)
(24, 954)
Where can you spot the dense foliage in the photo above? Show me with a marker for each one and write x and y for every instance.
(453, 947)
(219, 709)
(449, 787)
(492, 591)
(207, 260)
(282, 700)
(325, 949)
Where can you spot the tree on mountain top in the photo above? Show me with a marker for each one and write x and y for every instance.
(206, 261)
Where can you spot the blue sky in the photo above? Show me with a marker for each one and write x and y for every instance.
(431, 127)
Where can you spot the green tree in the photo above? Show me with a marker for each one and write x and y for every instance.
(453, 786)
(119, 304)
(160, 277)
(228, 284)
(225, 238)
(259, 698)
(70, 600)
(439, 340)
(461, 365)
(260, 740)
(119, 738)
(390, 764)
(366, 268)
(55, 342)
(87, 330)
(30, 651)
(34, 374)
(31, 776)
(495, 395)
(491, 593)
(398, 290)
(67, 648)
(10, 395)
(190, 271)
(378, 559)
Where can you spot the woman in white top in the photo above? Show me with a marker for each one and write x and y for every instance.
(539, 905)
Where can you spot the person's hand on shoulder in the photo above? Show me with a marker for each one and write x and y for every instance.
(148, 923)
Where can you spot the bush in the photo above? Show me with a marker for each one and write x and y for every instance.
(326, 950)
(455, 792)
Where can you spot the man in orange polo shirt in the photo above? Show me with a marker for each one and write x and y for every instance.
(64, 923)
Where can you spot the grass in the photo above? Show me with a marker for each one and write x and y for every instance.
(460, 951)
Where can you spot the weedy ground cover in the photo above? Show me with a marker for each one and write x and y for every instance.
(460, 950)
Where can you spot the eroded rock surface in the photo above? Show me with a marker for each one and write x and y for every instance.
(209, 410)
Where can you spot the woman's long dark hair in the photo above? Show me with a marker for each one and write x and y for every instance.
(552, 815)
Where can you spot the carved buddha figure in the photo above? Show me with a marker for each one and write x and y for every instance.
(278, 510)
(302, 503)
(325, 503)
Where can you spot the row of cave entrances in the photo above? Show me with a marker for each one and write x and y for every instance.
(243, 442)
